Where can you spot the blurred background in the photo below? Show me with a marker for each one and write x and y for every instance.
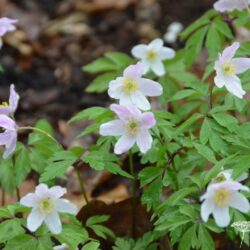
(55, 38)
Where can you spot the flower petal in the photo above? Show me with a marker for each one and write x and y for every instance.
(158, 68)
(53, 223)
(57, 192)
(64, 206)
(144, 140)
(140, 101)
(221, 216)
(156, 44)
(240, 202)
(121, 111)
(207, 208)
(115, 88)
(30, 200)
(112, 128)
(148, 120)
(134, 71)
(35, 219)
(14, 98)
(42, 190)
(150, 88)
(11, 144)
(139, 51)
(124, 144)
(233, 85)
(220, 80)
(241, 64)
(230, 51)
(166, 53)
(7, 122)
(228, 5)
(146, 65)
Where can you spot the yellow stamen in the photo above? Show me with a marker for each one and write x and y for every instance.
(4, 104)
(228, 69)
(222, 197)
(46, 206)
(130, 85)
(132, 127)
(151, 55)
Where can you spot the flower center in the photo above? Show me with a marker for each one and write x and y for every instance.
(222, 197)
(228, 69)
(4, 104)
(46, 206)
(132, 127)
(130, 85)
(151, 55)
(220, 178)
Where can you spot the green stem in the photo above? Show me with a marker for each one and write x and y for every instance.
(18, 196)
(210, 96)
(40, 131)
(82, 186)
(133, 184)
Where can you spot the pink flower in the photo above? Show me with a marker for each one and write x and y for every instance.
(10, 108)
(9, 137)
(153, 55)
(6, 25)
(46, 204)
(219, 197)
(229, 5)
(133, 127)
(226, 69)
(131, 89)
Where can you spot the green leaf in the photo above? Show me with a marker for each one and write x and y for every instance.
(223, 28)
(10, 229)
(148, 174)
(186, 239)
(91, 246)
(206, 152)
(58, 165)
(120, 59)
(97, 219)
(22, 242)
(205, 239)
(182, 94)
(205, 132)
(227, 121)
(100, 65)
(102, 231)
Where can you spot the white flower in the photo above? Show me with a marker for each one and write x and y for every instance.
(219, 197)
(226, 69)
(46, 204)
(132, 89)
(152, 55)
(173, 31)
(62, 247)
(229, 5)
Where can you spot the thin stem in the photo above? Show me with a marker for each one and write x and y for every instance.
(18, 196)
(210, 96)
(133, 184)
(82, 185)
(3, 198)
(40, 131)
(247, 6)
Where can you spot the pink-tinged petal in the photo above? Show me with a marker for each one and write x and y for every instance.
(220, 80)
(166, 53)
(134, 71)
(5, 137)
(241, 64)
(150, 88)
(42, 190)
(14, 98)
(221, 216)
(134, 112)
(64, 206)
(35, 219)
(121, 111)
(207, 208)
(139, 51)
(229, 5)
(158, 68)
(140, 101)
(112, 128)
(240, 202)
(115, 88)
(125, 143)
(230, 51)
(53, 223)
(148, 120)
(156, 44)
(30, 200)
(144, 140)
(233, 85)
(10, 143)
(57, 192)
(8, 20)
(7, 122)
